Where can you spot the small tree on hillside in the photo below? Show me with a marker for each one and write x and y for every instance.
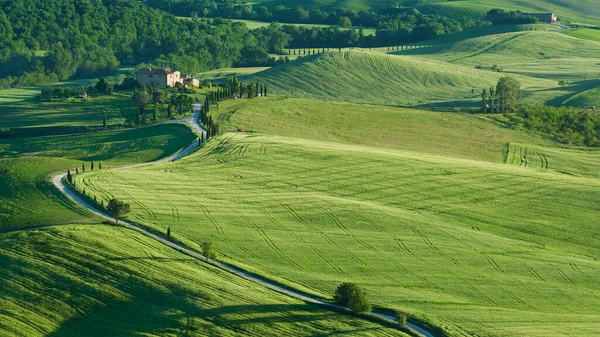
(208, 250)
(69, 176)
(352, 296)
(509, 91)
(401, 317)
(117, 209)
(484, 101)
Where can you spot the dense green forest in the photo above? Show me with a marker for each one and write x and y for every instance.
(50, 40)
(394, 25)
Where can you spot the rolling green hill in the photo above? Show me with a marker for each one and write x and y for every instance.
(372, 77)
(537, 54)
(441, 133)
(585, 99)
(445, 236)
(99, 280)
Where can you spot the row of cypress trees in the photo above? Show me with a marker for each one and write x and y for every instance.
(70, 176)
(234, 88)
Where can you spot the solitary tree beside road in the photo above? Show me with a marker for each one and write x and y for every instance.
(117, 209)
(352, 296)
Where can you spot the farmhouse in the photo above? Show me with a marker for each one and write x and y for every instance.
(544, 17)
(161, 78)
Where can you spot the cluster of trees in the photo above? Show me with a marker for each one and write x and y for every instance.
(505, 94)
(54, 40)
(502, 17)
(177, 101)
(567, 125)
(394, 25)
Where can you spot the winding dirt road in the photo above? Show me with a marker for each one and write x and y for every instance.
(192, 122)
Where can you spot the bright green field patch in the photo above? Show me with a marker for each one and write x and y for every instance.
(488, 248)
(585, 33)
(590, 98)
(537, 54)
(361, 76)
(441, 133)
(97, 280)
(228, 72)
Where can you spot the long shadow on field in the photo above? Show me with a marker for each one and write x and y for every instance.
(577, 88)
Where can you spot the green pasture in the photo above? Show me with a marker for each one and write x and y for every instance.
(221, 74)
(362, 76)
(99, 280)
(441, 133)
(34, 117)
(28, 198)
(536, 54)
(589, 98)
(254, 24)
(585, 33)
(454, 240)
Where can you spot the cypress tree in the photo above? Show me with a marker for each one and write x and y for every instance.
(169, 232)
(76, 170)
(484, 101)
(69, 176)
(83, 167)
(492, 93)
(99, 165)
(92, 166)
(265, 90)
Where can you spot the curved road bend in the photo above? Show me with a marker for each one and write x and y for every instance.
(192, 122)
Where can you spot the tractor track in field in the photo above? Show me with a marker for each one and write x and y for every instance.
(59, 182)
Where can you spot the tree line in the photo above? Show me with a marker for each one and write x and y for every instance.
(502, 17)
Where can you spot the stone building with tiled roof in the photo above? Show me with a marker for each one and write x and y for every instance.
(158, 78)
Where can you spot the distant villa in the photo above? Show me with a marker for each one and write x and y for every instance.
(163, 78)
(544, 17)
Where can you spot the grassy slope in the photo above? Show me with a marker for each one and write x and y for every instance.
(448, 134)
(33, 113)
(585, 33)
(457, 239)
(98, 280)
(587, 98)
(371, 77)
(537, 54)
(27, 198)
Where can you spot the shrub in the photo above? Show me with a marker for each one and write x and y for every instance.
(401, 317)
(208, 251)
(353, 297)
